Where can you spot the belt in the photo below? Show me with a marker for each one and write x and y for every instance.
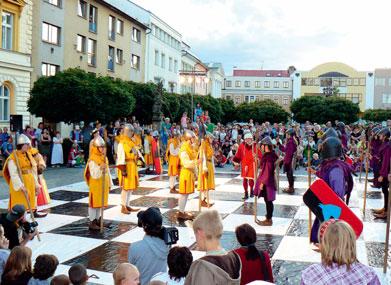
(26, 171)
(209, 160)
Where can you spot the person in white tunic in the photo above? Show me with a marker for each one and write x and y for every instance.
(57, 153)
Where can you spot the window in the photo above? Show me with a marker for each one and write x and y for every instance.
(136, 35)
(91, 50)
(7, 30)
(120, 27)
(5, 95)
(135, 62)
(276, 100)
(266, 84)
(170, 63)
(93, 19)
(228, 83)
(50, 33)
(246, 83)
(111, 28)
(285, 101)
(49, 69)
(276, 84)
(386, 98)
(286, 84)
(246, 99)
(175, 66)
(362, 81)
(81, 43)
(163, 61)
(228, 97)
(119, 56)
(355, 81)
(82, 8)
(54, 2)
(252, 98)
(342, 82)
(380, 81)
(156, 57)
(237, 83)
(110, 59)
(349, 82)
(257, 84)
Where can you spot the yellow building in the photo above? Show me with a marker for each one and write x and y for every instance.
(336, 78)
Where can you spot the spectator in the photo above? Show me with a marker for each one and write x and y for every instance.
(339, 263)
(217, 267)
(4, 135)
(197, 111)
(75, 157)
(4, 251)
(255, 262)
(126, 274)
(17, 270)
(7, 148)
(29, 132)
(57, 153)
(184, 121)
(149, 255)
(45, 144)
(179, 260)
(78, 274)
(86, 134)
(38, 133)
(60, 280)
(44, 268)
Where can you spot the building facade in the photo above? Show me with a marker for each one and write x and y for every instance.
(216, 79)
(15, 58)
(246, 86)
(193, 74)
(336, 78)
(382, 89)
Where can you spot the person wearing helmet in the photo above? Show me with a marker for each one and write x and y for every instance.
(156, 153)
(289, 149)
(266, 184)
(188, 159)
(172, 156)
(206, 167)
(374, 163)
(20, 173)
(385, 156)
(341, 128)
(148, 151)
(248, 155)
(335, 172)
(97, 166)
(127, 156)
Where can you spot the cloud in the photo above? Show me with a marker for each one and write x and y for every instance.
(276, 34)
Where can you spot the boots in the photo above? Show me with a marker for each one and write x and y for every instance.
(378, 211)
(205, 204)
(130, 209)
(266, 223)
(289, 190)
(39, 214)
(245, 197)
(124, 210)
(252, 193)
(185, 216)
(382, 216)
(173, 190)
(94, 226)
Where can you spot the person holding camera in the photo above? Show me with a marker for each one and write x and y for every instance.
(149, 255)
(16, 229)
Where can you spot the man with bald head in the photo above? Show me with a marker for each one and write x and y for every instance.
(126, 274)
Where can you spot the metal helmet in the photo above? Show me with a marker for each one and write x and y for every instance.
(331, 148)
(374, 131)
(248, 135)
(209, 135)
(329, 133)
(267, 141)
(128, 130)
(137, 131)
(290, 132)
(23, 139)
(188, 134)
(385, 132)
(147, 131)
(340, 126)
(176, 133)
(99, 142)
(155, 134)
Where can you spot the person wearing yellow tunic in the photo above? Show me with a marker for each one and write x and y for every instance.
(127, 155)
(97, 166)
(43, 198)
(188, 159)
(137, 141)
(148, 151)
(206, 175)
(21, 162)
(172, 156)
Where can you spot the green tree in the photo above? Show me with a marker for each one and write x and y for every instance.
(377, 115)
(228, 110)
(144, 95)
(261, 111)
(74, 95)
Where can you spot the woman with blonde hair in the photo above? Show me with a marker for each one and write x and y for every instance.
(339, 261)
(18, 269)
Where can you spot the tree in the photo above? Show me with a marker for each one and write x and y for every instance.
(144, 93)
(74, 95)
(377, 115)
(228, 110)
(322, 109)
(261, 111)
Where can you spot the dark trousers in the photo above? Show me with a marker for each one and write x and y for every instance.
(384, 189)
(289, 175)
(269, 204)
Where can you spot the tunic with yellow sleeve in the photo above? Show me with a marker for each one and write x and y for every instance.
(127, 158)
(188, 158)
(93, 176)
(148, 150)
(43, 198)
(29, 179)
(206, 177)
(172, 154)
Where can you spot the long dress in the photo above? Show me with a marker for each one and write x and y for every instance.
(57, 153)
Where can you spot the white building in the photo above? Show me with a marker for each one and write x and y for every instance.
(216, 79)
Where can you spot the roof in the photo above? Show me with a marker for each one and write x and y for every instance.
(128, 8)
(261, 73)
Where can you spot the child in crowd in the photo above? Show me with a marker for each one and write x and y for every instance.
(4, 251)
(78, 274)
(44, 268)
(126, 274)
(60, 280)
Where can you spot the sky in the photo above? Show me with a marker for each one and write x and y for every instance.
(274, 34)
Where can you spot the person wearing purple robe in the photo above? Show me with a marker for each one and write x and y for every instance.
(374, 163)
(265, 185)
(343, 136)
(290, 151)
(385, 157)
(335, 172)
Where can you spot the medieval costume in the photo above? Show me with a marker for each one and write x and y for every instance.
(335, 172)
(97, 176)
(172, 156)
(206, 174)
(265, 185)
(342, 135)
(248, 155)
(148, 151)
(157, 163)
(290, 152)
(375, 145)
(43, 197)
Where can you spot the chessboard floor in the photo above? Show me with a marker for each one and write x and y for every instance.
(64, 232)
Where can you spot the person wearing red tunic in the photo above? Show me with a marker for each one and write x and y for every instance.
(248, 156)
(156, 153)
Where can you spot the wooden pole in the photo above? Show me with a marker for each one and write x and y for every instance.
(309, 185)
(385, 265)
(366, 182)
(103, 198)
(361, 160)
(255, 156)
